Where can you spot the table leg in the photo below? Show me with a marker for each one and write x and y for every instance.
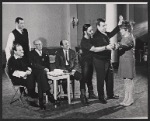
(55, 89)
(68, 88)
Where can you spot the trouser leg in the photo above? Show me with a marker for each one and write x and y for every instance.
(42, 81)
(100, 74)
(89, 77)
(109, 79)
(64, 86)
(87, 73)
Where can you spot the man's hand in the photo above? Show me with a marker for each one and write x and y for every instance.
(110, 47)
(65, 71)
(72, 72)
(117, 45)
(28, 72)
(29, 69)
(46, 69)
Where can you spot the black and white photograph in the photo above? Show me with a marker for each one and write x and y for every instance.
(75, 60)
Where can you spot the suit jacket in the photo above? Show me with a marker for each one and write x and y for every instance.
(37, 61)
(60, 60)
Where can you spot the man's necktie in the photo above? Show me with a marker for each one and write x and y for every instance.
(67, 57)
(22, 31)
(40, 53)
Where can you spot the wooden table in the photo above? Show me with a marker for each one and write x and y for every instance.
(55, 82)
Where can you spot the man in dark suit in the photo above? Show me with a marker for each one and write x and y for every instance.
(101, 60)
(66, 60)
(39, 61)
(20, 71)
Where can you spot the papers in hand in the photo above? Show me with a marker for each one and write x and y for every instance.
(56, 72)
(19, 74)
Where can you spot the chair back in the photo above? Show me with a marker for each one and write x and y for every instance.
(7, 74)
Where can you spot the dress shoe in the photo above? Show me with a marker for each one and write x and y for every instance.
(84, 100)
(66, 98)
(42, 107)
(32, 103)
(102, 100)
(128, 103)
(41, 104)
(92, 96)
(35, 95)
(25, 94)
(57, 103)
(51, 98)
(122, 103)
(113, 97)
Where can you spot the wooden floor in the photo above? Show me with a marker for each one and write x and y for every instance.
(96, 110)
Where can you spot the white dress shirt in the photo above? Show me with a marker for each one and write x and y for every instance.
(67, 56)
(39, 52)
(9, 44)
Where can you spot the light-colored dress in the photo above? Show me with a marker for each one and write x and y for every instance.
(127, 58)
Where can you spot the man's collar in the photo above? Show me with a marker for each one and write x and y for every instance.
(65, 50)
(19, 30)
(16, 56)
(38, 50)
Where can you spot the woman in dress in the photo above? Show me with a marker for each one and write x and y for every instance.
(126, 68)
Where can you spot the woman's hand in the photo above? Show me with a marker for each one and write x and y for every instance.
(120, 20)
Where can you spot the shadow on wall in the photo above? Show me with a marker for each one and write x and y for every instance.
(44, 41)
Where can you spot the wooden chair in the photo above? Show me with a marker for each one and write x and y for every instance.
(15, 89)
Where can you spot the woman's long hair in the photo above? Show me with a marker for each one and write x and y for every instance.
(85, 27)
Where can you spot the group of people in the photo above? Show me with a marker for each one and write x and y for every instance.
(96, 50)
(27, 67)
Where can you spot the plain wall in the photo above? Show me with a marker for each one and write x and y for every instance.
(52, 22)
(141, 13)
(45, 21)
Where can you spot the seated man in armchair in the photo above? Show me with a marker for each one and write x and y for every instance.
(39, 61)
(19, 71)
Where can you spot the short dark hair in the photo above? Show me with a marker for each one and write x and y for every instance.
(85, 27)
(99, 20)
(14, 48)
(61, 43)
(17, 19)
